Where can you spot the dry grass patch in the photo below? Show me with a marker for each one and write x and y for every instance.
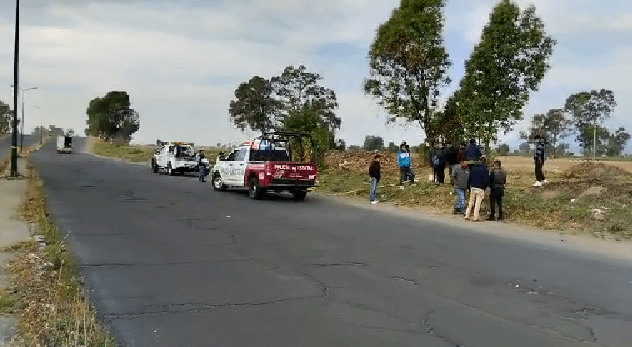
(569, 202)
(134, 153)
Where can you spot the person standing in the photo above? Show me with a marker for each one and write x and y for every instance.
(403, 161)
(411, 170)
(442, 162)
(473, 151)
(476, 183)
(452, 158)
(459, 177)
(539, 157)
(497, 179)
(202, 166)
(375, 175)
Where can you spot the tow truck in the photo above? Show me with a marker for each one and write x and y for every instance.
(174, 158)
(266, 164)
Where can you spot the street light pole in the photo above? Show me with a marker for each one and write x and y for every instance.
(14, 138)
(22, 123)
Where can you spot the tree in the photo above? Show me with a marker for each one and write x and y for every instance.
(372, 143)
(503, 149)
(112, 116)
(504, 68)
(617, 142)
(254, 107)
(524, 147)
(392, 147)
(6, 115)
(553, 126)
(297, 91)
(408, 63)
(588, 110)
(340, 145)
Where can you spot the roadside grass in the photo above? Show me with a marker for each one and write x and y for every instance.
(134, 153)
(560, 205)
(50, 304)
(141, 153)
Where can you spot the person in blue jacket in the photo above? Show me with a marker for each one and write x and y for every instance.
(477, 182)
(403, 161)
(473, 151)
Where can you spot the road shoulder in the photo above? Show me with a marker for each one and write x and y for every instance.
(578, 245)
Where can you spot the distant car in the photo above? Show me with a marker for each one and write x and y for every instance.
(64, 144)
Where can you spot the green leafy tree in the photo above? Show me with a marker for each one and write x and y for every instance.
(524, 147)
(408, 63)
(392, 147)
(553, 126)
(503, 149)
(505, 67)
(340, 145)
(298, 92)
(112, 116)
(588, 110)
(5, 118)
(254, 106)
(617, 142)
(372, 143)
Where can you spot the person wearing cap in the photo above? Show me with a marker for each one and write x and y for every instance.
(375, 176)
(403, 161)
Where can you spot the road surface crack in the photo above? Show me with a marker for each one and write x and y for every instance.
(116, 265)
(336, 264)
(198, 307)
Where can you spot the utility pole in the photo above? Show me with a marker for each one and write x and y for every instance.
(14, 139)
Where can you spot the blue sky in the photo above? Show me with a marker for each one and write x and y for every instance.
(181, 61)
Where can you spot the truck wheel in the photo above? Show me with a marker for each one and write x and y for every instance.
(154, 167)
(254, 190)
(170, 171)
(218, 184)
(299, 195)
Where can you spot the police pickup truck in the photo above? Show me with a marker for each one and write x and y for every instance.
(266, 165)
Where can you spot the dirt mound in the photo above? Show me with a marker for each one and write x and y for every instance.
(360, 161)
(589, 170)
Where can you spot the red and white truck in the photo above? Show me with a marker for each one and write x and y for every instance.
(268, 164)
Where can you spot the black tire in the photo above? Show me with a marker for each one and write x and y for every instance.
(254, 190)
(218, 186)
(154, 167)
(299, 195)
(170, 171)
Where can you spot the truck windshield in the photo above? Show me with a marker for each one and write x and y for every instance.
(269, 155)
(183, 151)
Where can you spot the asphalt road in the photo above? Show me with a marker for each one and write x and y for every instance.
(170, 262)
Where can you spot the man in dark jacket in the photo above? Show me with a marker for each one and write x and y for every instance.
(477, 183)
(539, 157)
(473, 151)
(451, 158)
(375, 175)
(459, 177)
(497, 180)
(438, 163)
